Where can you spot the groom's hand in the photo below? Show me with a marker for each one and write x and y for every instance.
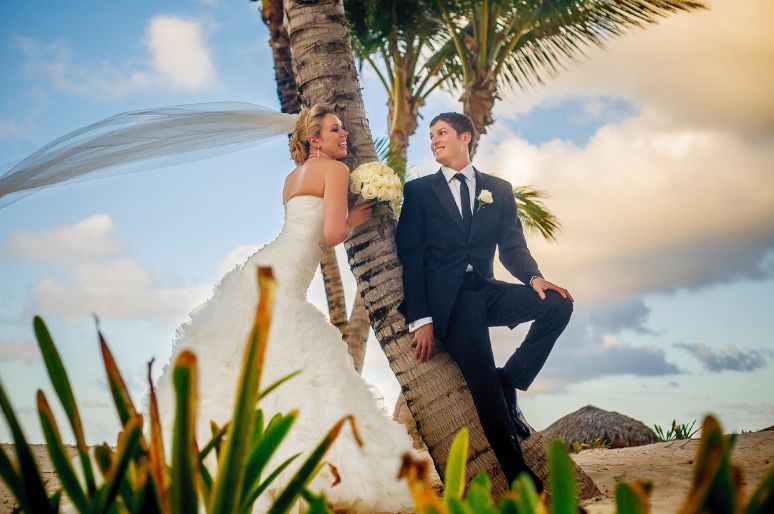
(423, 342)
(540, 285)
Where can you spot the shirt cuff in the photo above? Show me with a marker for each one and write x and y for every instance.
(414, 325)
(533, 278)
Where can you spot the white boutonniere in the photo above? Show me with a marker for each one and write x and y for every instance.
(484, 197)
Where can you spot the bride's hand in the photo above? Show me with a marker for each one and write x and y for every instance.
(359, 214)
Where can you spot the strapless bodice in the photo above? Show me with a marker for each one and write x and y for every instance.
(298, 248)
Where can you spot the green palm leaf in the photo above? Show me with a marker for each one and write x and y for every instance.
(533, 213)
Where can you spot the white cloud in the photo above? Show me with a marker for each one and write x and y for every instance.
(98, 276)
(9, 128)
(647, 205)
(179, 58)
(90, 238)
(119, 290)
(19, 350)
(180, 53)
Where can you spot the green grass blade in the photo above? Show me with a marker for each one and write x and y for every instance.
(118, 389)
(138, 485)
(455, 505)
(61, 383)
(205, 482)
(55, 500)
(59, 457)
(454, 482)
(527, 494)
(629, 499)
(185, 461)
(561, 477)
(762, 499)
(156, 459)
(104, 456)
(268, 444)
(257, 489)
(479, 497)
(302, 477)
(33, 494)
(10, 475)
(227, 489)
(317, 503)
(217, 437)
(712, 481)
(276, 384)
(128, 443)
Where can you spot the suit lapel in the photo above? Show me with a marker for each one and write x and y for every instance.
(482, 182)
(442, 191)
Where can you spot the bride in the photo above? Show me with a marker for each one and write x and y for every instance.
(328, 387)
(315, 200)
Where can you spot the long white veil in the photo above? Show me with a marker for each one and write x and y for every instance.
(144, 139)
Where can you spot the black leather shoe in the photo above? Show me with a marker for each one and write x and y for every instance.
(523, 429)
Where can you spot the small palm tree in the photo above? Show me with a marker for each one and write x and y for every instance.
(405, 43)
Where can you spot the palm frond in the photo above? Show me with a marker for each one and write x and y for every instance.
(546, 35)
(387, 155)
(533, 213)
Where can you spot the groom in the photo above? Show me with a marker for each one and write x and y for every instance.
(450, 224)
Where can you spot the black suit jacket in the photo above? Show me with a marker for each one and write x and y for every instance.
(435, 251)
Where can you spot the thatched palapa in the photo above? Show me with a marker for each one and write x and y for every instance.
(591, 423)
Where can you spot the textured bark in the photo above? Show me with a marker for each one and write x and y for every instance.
(334, 290)
(287, 91)
(478, 98)
(402, 114)
(435, 392)
(356, 335)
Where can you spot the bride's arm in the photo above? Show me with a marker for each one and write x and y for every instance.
(335, 227)
(337, 219)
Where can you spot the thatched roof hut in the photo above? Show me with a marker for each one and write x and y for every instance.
(589, 423)
(771, 428)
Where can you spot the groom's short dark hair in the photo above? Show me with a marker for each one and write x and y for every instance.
(460, 122)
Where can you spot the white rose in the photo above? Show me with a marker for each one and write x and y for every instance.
(354, 186)
(485, 196)
(369, 192)
(378, 181)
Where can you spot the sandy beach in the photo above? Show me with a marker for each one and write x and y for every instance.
(668, 465)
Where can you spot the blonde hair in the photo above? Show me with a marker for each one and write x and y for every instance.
(308, 125)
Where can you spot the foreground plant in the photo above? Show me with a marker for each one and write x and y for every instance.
(681, 431)
(135, 476)
(716, 484)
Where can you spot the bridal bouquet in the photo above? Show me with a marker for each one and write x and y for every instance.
(376, 181)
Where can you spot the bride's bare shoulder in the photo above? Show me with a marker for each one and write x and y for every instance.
(326, 166)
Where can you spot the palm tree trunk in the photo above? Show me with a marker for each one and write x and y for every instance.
(402, 113)
(287, 91)
(435, 392)
(356, 335)
(478, 98)
(334, 290)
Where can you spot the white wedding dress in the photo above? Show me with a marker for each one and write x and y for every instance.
(300, 338)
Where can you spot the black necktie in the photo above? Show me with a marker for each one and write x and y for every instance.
(467, 215)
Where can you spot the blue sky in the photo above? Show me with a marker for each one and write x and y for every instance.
(655, 153)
